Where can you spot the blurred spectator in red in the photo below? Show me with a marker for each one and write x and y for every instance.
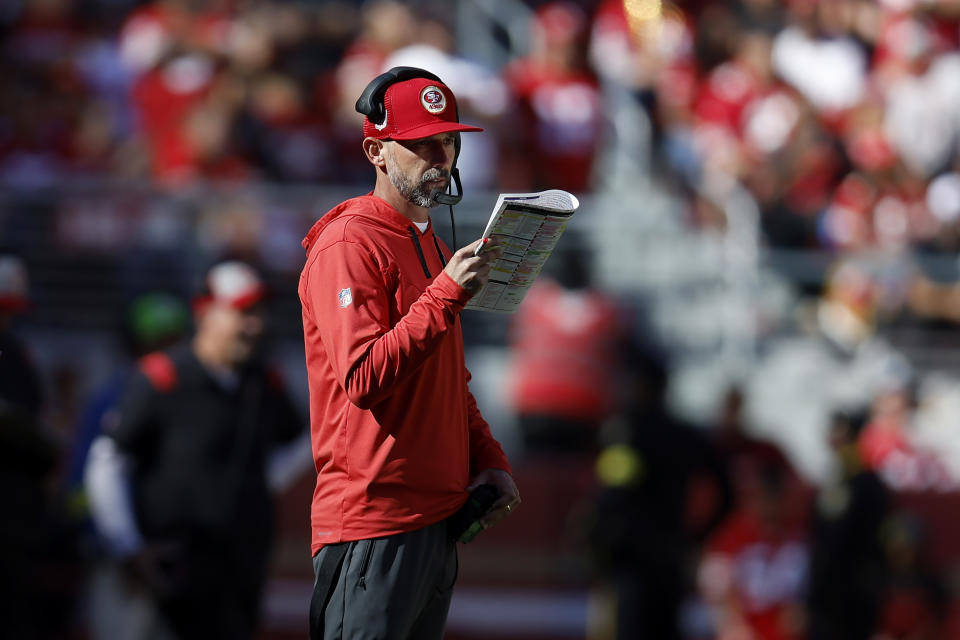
(753, 571)
(561, 108)
(746, 128)
(847, 559)
(876, 203)
(184, 100)
(919, 78)
(887, 444)
(644, 537)
(795, 164)
(185, 121)
(729, 88)
(566, 342)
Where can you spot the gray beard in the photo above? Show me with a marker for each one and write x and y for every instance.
(418, 193)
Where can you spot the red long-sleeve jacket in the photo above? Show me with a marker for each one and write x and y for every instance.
(395, 431)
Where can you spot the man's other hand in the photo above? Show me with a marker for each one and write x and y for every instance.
(509, 496)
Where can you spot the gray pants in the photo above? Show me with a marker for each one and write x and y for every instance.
(393, 588)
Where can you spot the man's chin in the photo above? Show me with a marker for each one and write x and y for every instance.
(426, 199)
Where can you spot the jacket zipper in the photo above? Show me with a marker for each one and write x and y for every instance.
(416, 243)
(364, 562)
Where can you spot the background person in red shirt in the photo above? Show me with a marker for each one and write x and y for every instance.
(560, 106)
(564, 359)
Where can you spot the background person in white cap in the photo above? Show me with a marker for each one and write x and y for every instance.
(397, 438)
(177, 484)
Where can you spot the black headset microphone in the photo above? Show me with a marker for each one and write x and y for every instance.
(371, 104)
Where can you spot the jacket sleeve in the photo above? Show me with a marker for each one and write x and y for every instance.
(107, 482)
(485, 451)
(349, 296)
(129, 437)
(132, 425)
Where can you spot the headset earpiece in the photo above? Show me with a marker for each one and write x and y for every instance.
(370, 102)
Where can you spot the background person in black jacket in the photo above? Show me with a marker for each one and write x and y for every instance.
(191, 436)
(643, 537)
(847, 564)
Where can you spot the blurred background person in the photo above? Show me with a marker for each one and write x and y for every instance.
(915, 601)
(114, 604)
(559, 104)
(566, 343)
(648, 527)
(177, 484)
(20, 383)
(834, 357)
(40, 567)
(848, 572)
(753, 572)
(40, 563)
(889, 443)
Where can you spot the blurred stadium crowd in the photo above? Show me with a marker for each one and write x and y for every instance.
(839, 117)
(836, 122)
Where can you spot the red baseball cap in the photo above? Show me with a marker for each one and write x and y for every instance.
(416, 108)
(233, 283)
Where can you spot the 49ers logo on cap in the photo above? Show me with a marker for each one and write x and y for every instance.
(433, 100)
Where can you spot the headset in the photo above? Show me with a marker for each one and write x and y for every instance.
(370, 103)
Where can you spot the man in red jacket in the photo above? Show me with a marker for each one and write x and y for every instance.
(397, 438)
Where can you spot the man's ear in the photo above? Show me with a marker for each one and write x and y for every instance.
(374, 150)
